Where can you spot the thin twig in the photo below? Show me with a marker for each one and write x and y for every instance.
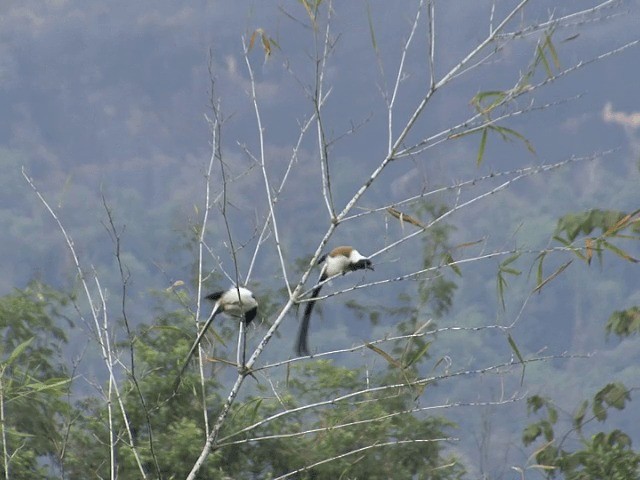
(102, 332)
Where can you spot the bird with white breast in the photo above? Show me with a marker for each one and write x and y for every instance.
(237, 302)
(338, 261)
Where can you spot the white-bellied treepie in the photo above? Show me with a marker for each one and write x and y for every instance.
(339, 261)
(237, 302)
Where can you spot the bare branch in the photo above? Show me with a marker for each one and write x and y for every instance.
(391, 387)
(102, 332)
(267, 185)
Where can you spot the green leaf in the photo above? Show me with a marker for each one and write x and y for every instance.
(422, 352)
(578, 417)
(539, 274)
(624, 323)
(18, 351)
(535, 403)
(384, 355)
(531, 433)
(501, 283)
(506, 133)
(515, 349)
(570, 38)
(553, 414)
(483, 145)
(543, 58)
(448, 259)
(586, 222)
(511, 259)
(311, 6)
(512, 271)
(502, 269)
(372, 32)
(255, 410)
(487, 101)
(618, 251)
(552, 50)
(612, 395)
(599, 411)
(547, 429)
(50, 384)
(561, 269)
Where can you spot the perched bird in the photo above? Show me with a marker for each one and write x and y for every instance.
(237, 302)
(339, 261)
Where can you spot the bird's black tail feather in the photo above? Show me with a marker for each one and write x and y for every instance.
(302, 348)
(194, 347)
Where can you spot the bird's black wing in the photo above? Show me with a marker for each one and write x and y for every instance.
(215, 296)
(250, 315)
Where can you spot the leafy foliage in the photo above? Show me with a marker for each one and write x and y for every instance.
(164, 438)
(33, 381)
(272, 447)
(372, 435)
(611, 223)
(601, 456)
(488, 102)
(624, 323)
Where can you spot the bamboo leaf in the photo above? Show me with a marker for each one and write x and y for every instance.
(618, 251)
(512, 271)
(256, 407)
(539, 275)
(484, 102)
(483, 145)
(403, 217)
(252, 40)
(310, 11)
(561, 269)
(543, 467)
(384, 355)
(543, 58)
(624, 323)
(18, 351)
(623, 223)
(562, 240)
(552, 51)
(510, 260)
(437, 364)
(419, 355)
(451, 263)
(588, 246)
(506, 132)
(515, 349)
(266, 44)
(50, 384)
(567, 243)
(578, 417)
(572, 37)
(372, 32)
(468, 244)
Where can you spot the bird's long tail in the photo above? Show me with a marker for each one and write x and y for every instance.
(302, 348)
(216, 310)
